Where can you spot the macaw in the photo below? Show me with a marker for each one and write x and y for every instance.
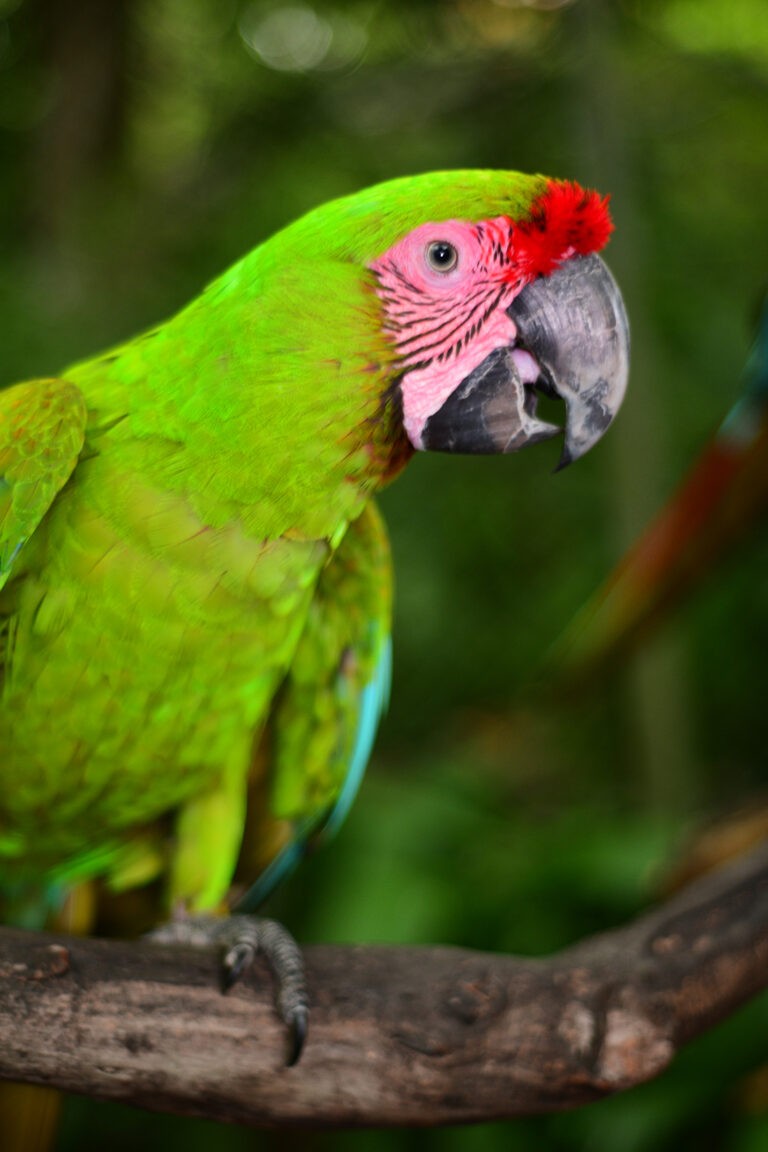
(195, 580)
(711, 510)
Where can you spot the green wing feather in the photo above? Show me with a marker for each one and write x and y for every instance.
(327, 711)
(42, 429)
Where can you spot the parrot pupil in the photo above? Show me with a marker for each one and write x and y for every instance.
(442, 256)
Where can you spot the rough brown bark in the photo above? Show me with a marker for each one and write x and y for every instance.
(398, 1036)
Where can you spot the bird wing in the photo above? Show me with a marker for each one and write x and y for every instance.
(327, 712)
(42, 429)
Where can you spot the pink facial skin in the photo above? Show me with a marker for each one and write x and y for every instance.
(445, 322)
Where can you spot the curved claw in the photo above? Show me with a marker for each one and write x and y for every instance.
(242, 937)
(297, 1034)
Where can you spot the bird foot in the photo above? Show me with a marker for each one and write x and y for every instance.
(241, 938)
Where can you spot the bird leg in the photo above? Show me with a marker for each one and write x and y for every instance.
(241, 937)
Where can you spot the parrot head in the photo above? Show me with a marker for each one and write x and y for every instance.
(487, 311)
(433, 312)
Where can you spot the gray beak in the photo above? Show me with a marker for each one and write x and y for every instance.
(574, 325)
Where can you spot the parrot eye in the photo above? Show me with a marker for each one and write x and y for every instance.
(442, 256)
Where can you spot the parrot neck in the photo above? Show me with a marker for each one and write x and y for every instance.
(289, 432)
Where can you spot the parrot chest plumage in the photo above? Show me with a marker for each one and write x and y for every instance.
(145, 638)
(153, 615)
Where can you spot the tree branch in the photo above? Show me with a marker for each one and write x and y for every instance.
(398, 1036)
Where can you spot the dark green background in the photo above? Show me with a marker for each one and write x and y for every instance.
(144, 145)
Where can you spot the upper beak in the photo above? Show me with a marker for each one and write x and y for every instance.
(574, 324)
(573, 327)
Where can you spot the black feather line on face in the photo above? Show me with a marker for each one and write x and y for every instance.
(420, 349)
(455, 347)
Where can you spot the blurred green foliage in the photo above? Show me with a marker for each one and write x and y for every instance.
(146, 144)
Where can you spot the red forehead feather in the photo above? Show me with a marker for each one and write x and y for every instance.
(564, 220)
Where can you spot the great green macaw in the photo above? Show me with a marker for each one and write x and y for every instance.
(196, 582)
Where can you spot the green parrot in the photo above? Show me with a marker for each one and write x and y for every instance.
(195, 580)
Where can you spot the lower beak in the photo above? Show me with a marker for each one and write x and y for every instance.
(572, 342)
